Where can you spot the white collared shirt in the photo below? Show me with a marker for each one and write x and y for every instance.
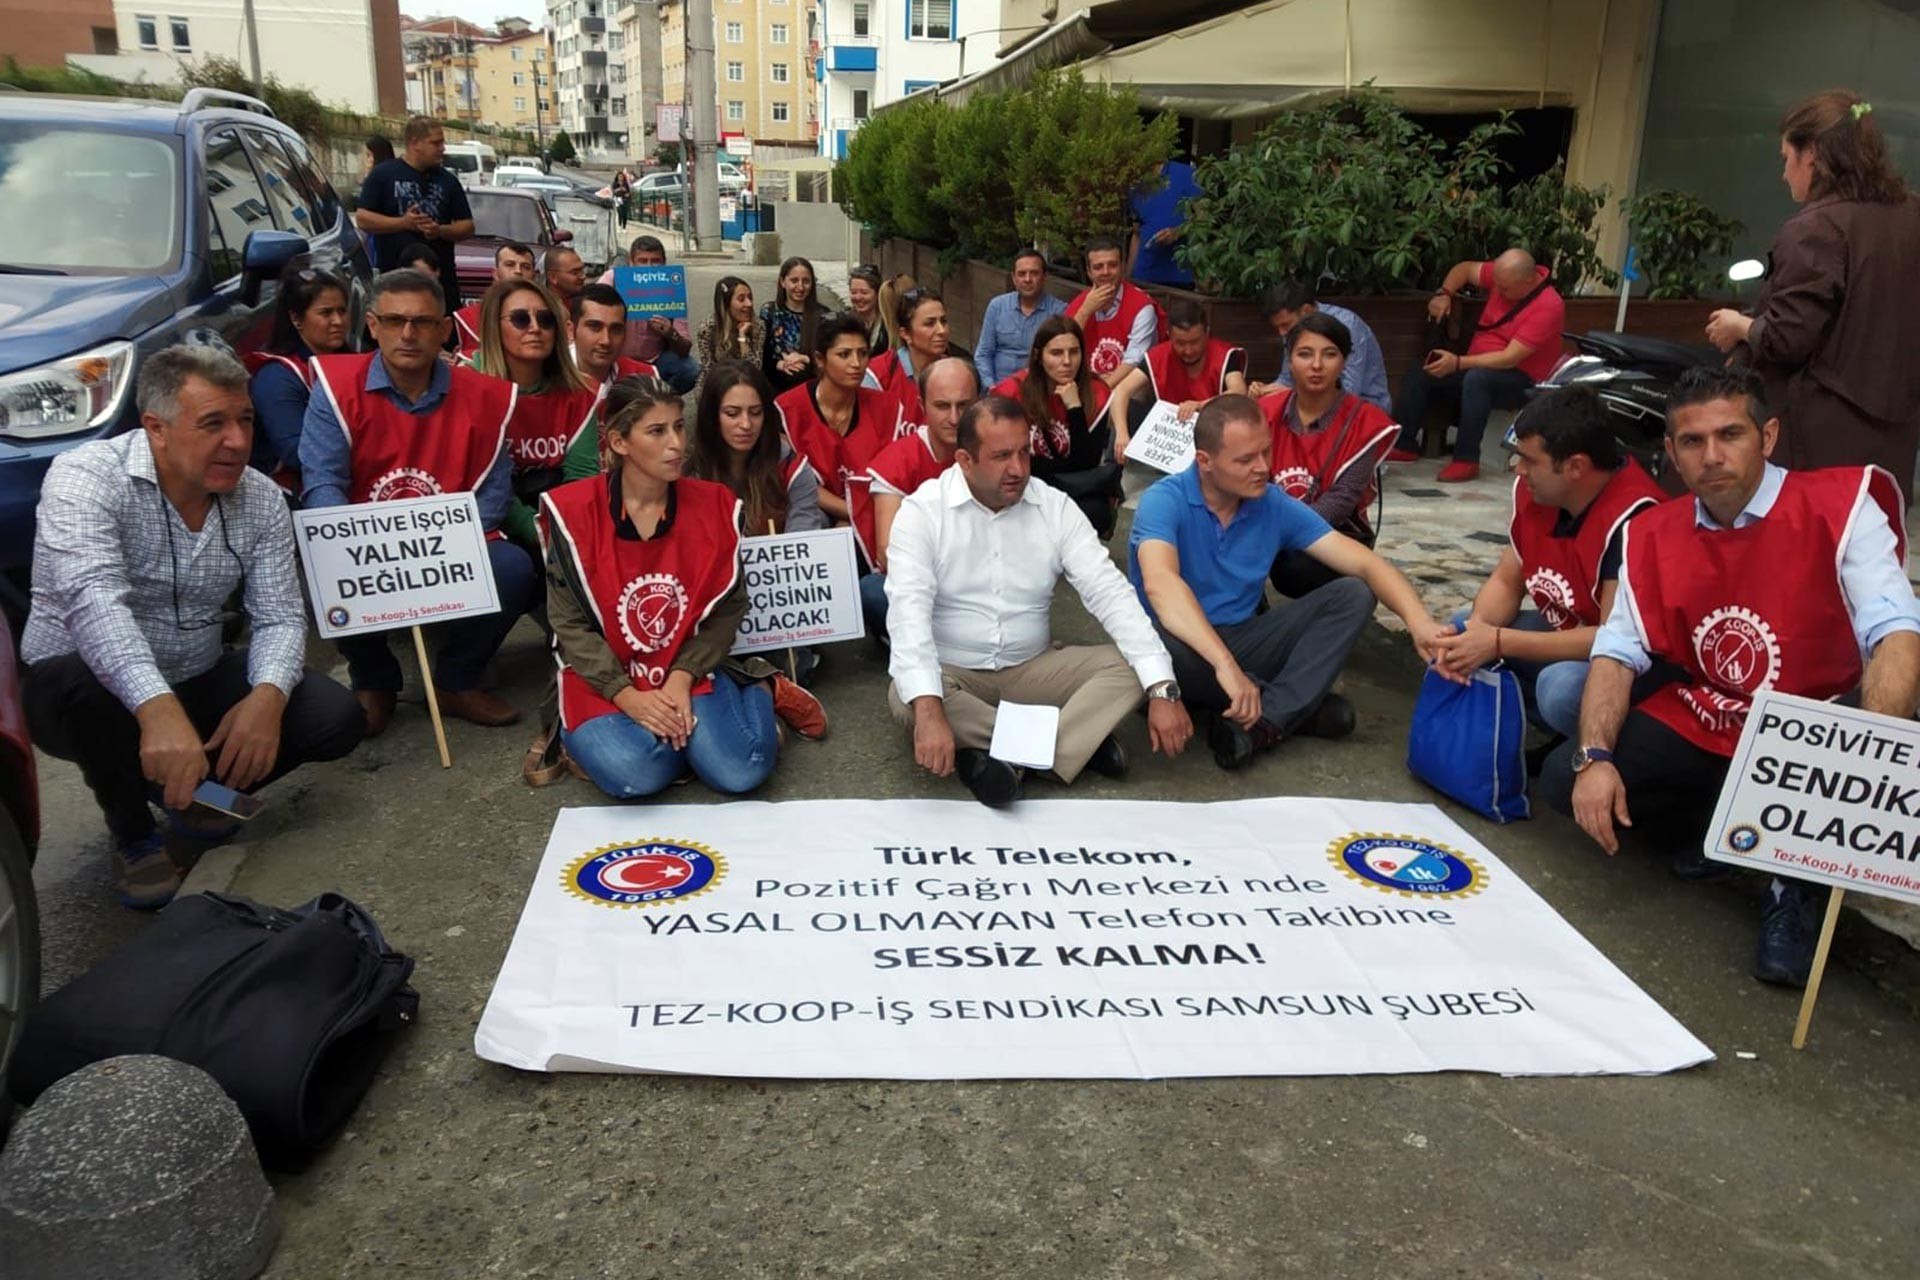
(974, 588)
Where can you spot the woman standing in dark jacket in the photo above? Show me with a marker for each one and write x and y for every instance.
(1834, 332)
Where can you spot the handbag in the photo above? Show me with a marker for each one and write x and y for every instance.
(1468, 742)
(290, 1011)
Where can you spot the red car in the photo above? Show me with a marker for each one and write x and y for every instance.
(501, 214)
(19, 834)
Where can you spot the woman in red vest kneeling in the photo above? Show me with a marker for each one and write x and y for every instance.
(644, 592)
(1067, 409)
(1327, 445)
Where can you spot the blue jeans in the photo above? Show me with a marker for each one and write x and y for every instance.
(1478, 391)
(732, 748)
(873, 605)
(1552, 689)
(681, 372)
(466, 646)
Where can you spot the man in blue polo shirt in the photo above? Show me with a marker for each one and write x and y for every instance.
(1201, 545)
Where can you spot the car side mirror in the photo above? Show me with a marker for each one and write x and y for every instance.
(562, 236)
(263, 257)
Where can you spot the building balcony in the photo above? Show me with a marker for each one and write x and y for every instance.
(594, 124)
(595, 58)
(853, 53)
(593, 26)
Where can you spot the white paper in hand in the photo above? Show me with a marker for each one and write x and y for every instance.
(1162, 441)
(1025, 734)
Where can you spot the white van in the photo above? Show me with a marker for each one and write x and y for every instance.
(472, 162)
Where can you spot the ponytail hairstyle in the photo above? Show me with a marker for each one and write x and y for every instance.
(301, 285)
(627, 402)
(1849, 150)
(890, 295)
(726, 335)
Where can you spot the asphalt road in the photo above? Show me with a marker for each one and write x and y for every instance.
(1782, 1163)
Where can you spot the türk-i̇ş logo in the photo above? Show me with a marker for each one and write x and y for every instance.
(644, 873)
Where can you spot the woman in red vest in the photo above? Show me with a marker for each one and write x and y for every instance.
(1327, 445)
(520, 341)
(837, 422)
(310, 319)
(924, 337)
(645, 594)
(1067, 409)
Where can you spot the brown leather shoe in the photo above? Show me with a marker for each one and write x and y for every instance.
(476, 706)
(379, 709)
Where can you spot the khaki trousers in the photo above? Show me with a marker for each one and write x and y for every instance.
(1092, 685)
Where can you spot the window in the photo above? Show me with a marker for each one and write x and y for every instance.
(736, 72)
(861, 99)
(283, 186)
(515, 54)
(519, 79)
(237, 199)
(777, 33)
(519, 104)
(779, 113)
(735, 33)
(541, 81)
(177, 27)
(930, 19)
(148, 28)
(736, 109)
(862, 17)
(779, 73)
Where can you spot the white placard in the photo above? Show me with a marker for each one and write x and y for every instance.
(740, 145)
(935, 939)
(1025, 734)
(729, 209)
(1818, 791)
(1162, 441)
(381, 565)
(803, 589)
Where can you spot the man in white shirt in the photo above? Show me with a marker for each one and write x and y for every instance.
(971, 567)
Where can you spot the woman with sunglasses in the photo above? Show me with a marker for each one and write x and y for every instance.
(837, 422)
(732, 332)
(790, 321)
(863, 301)
(645, 594)
(309, 319)
(520, 341)
(1067, 409)
(924, 338)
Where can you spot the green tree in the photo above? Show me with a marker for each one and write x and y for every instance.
(976, 182)
(560, 150)
(1079, 151)
(667, 153)
(1673, 234)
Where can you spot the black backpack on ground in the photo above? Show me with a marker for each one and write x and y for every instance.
(291, 1011)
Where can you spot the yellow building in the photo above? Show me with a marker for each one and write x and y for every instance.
(497, 77)
(762, 69)
(513, 82)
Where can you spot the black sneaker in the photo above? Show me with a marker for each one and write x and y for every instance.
(1789, 927)
(994, 783)
(1109, 760)
(1234, 747)
(1333, 718)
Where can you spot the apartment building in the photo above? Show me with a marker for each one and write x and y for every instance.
(641, 67)
(763, 70)
(588, 50)
(872, 52)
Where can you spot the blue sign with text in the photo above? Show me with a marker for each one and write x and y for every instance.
(653, 291)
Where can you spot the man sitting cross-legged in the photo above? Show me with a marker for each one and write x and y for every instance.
(1202, 542)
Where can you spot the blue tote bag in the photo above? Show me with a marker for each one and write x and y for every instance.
(1468, 742)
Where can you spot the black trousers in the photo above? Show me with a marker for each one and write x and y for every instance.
(1672, 785)
(1294, 652)
(1296, 574)
(73, 716)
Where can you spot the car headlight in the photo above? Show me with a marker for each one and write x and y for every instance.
(78, 393)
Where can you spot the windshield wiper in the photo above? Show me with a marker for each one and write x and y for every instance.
(14, 269)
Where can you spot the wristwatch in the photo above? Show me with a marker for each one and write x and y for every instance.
(1166, 690)
(1591, 755)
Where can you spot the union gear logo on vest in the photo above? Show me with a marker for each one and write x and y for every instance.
(1106, 356)
(402, 483)
(1553, 595)
(1295, 482)
(651, 607)
(1737, 649)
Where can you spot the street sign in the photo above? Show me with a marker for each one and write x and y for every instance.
(740, 145)
(666, 121)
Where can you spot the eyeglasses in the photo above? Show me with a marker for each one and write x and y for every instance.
(406, 324)
(223, 616)
(524, 320)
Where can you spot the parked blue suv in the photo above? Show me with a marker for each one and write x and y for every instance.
(132, 225)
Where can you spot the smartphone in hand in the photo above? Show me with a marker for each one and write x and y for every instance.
(235, 804)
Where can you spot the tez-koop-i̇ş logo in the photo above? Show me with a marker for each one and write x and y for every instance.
(644, 873)
(1406, 865)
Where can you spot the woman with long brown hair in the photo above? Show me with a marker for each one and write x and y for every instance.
(737, 442)
(790, 320)
(1067, 409)
(732, 332)
(1835, 329)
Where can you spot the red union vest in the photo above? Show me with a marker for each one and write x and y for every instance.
(646, 595)
(1106, 340)
(1171, 381)
(545, 425)
(286, 477)
(1742, 610)
(396, 454)
(900, 468)
(836, 458)
(1562, 575)
(1053, 435)
(466, 328)
(887, 373)
(1307, 465)
(628, 367)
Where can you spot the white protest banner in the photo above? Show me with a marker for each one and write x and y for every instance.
(802, 588)
(381, 565)
(924, 939)
(1162, 440)
(1818, 791)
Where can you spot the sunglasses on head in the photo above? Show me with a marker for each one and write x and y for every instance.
(524, 320)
